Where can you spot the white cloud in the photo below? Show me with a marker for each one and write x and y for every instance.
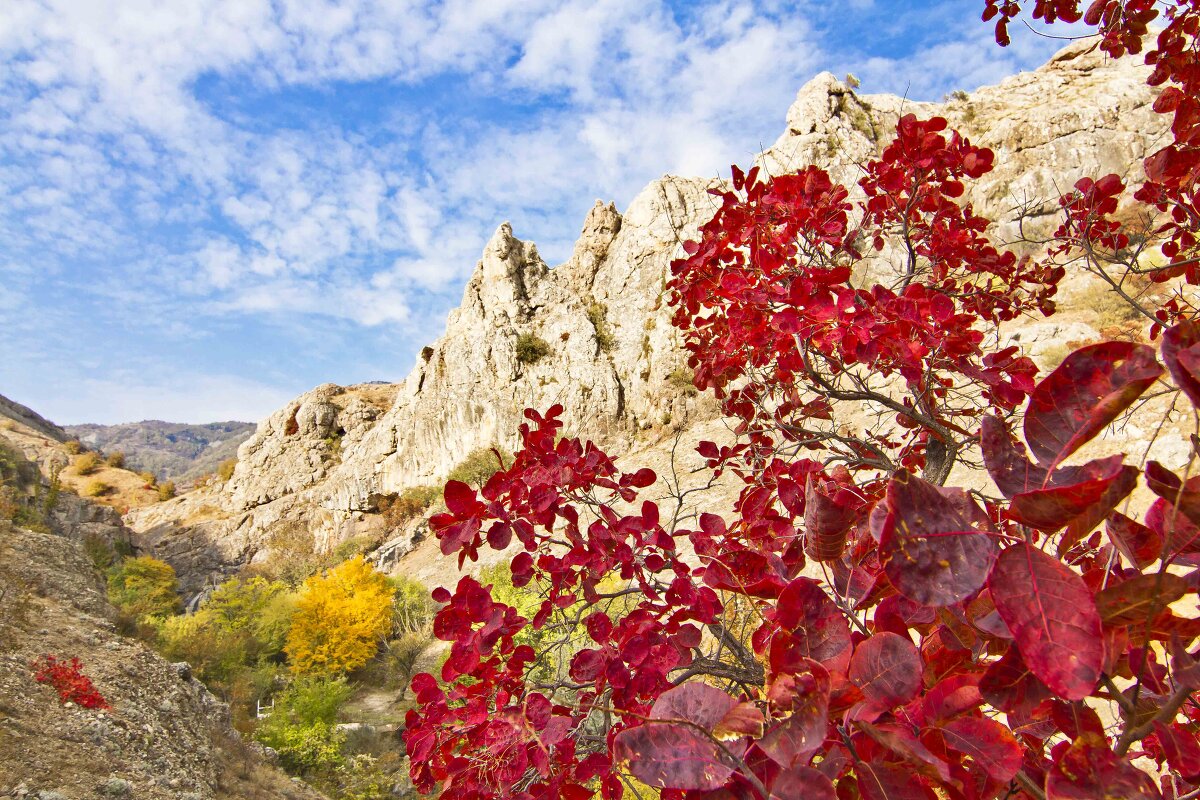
(133, 175)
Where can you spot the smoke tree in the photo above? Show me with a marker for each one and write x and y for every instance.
(854, 628)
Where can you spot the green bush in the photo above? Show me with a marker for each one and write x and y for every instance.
(99, 551)
(479, 465)
(149, 477)
(166, 490)
(144, 588)
(302, 727)
(597, 314)
(115, 459)
(96, 488)
(531, 348)
(683, 379)
(225, 468)
(87, 463)
(242, 625)
(73, 446)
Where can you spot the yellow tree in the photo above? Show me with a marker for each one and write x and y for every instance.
(340, 618)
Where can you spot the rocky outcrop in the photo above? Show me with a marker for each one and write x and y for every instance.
(610, 355)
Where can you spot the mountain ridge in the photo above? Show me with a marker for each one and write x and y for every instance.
(171, 450)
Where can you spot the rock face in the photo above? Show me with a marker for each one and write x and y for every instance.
(612, 358)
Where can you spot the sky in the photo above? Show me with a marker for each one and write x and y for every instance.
(210, 207)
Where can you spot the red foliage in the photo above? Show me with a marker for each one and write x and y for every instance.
(1171, 184)
(67, 678)
(940, 643)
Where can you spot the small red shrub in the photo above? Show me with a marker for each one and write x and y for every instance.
(67, 678)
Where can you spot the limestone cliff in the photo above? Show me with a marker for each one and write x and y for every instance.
(613, 359)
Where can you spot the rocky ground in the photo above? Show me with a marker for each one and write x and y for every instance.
(165, 737)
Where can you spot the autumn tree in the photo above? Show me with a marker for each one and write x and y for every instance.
(340, 619)
(144, 587)
(853, 627)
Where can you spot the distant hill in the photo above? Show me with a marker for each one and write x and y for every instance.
(171, 450)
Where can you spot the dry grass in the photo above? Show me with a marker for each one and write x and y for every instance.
(380, 395)
(122, 488)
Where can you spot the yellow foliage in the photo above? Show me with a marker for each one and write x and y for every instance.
(341, 617)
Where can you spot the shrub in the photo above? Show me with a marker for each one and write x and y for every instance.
(73, 446)
(597, 314)
(99, 552)
(87, 463)
(241, 625)
(479, 465)
(225, 469)
(217, 655)
(149, 478)
(144, 587)
(166, 490)
(531, 348)
(302, 727)
(291, 554)
(683, 379)
(115, 459)
(67, 678)
(96, 488)
(341, 618)
(398, 509)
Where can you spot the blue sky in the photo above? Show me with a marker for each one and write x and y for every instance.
(212, 206)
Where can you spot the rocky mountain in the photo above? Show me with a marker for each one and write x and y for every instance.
(171, 450)
(594, 333)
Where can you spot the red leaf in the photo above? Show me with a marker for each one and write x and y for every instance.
(1140, 545)
(1181, 352)
(1139, 599)
(665, 755)
(1052, 617)
(1048, 500)
(669, 755)
(805, 697)
(889, 782)
(460, 499)
(744, 719)
(1084, 394)
(1175, 517)
(990, 744)
(694, 702)
(830, 510)
(931, 547)
(953, 696)
(802, 782)
(1009, 685)
(806, 611)
(458, 535)
(908, 747)
(1181, 748)
(887, 668)
(1089, 770)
